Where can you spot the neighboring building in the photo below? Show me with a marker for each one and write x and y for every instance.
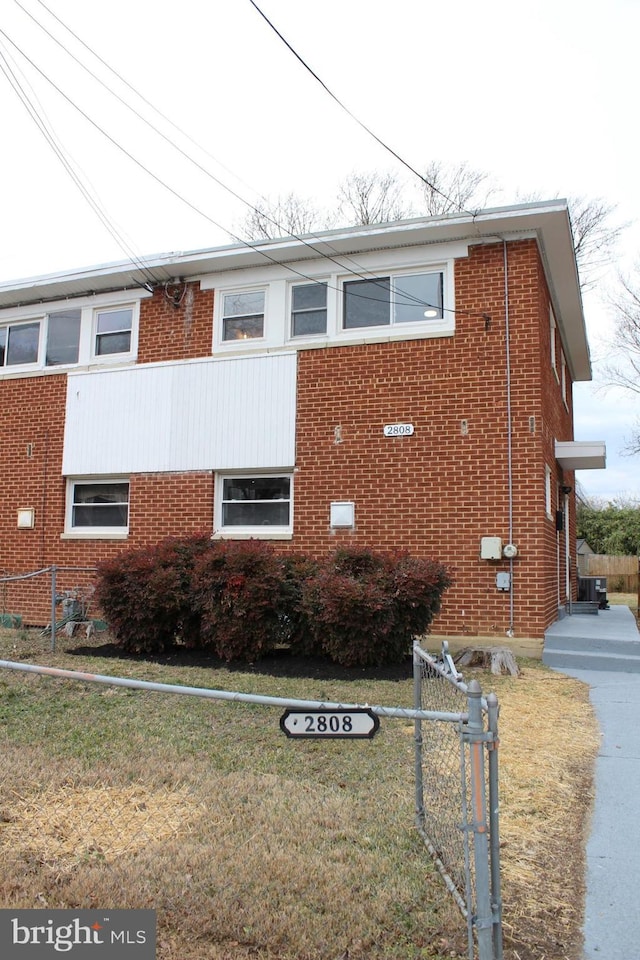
(582, 550)
(402, 386)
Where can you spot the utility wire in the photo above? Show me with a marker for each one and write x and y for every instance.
(56, 146)
(359, 272)
(350, 113)
(403, 294)
(406, 296)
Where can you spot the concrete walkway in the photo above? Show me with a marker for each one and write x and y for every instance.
(612, 916)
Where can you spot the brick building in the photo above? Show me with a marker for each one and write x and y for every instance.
(405, 385)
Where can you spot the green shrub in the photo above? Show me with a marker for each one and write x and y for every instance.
(146, 595)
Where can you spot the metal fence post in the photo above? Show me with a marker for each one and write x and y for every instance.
(417, 704)
(494, 831)
(54, 570)
(476, 739)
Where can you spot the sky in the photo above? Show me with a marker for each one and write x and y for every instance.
(542, 97)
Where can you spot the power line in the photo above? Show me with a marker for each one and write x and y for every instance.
(371, 277)
(360, 272)
(45, 128)
(350, 113)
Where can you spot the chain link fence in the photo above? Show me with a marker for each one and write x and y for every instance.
(457, 794)
(77, 825)
(52, 597)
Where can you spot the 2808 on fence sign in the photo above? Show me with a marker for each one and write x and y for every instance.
(344, 724)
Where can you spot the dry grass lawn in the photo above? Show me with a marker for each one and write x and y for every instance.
(251, 845)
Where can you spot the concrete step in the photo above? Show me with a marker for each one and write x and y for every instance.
(582, 659)
(603, 644)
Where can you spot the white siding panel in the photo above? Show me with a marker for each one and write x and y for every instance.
(200, 415)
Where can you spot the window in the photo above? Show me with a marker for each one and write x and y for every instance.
(63, 337)
(552, 332)
(113, 331)
(413, 298)
(19, 344)
(308, 309)
(547, 492)
(67, 337)
(98, 506)
(243, 315)
(258, 504)
(563, 376)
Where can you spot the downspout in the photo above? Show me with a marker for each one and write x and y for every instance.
(510, 631)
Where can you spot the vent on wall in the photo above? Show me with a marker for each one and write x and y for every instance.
(26, 518)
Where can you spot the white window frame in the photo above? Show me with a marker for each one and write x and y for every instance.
(552, 331)
(277, 282)
(548, 503)
(14, 324)
(395, 278)
(320, 281)
(94, 533)
(111, 357)
(563, 379)
(236, 532)
(220, 314)
(89, 308)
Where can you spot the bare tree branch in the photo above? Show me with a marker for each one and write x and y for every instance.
(372, 197)
(623, 368)
(290, 214)
(455, 188)
(594, 237)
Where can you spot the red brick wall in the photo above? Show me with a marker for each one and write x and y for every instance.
(438, 492)
(435, 493)
(176, 331)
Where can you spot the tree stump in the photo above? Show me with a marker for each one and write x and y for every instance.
(79, 627)
(498, 659)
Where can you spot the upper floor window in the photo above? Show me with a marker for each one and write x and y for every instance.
(552, 333)
(243, 315)
(308, 309)
(19, 344)
(79, 335)
(113, 331)
(63, 337)
(383, 301)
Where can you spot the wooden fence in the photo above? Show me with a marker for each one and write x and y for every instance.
(621, 572)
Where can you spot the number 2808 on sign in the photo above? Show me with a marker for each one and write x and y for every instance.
(342, 724)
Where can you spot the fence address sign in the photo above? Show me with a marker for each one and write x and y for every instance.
(340, 724)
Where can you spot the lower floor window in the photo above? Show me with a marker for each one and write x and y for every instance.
(260, 504)
(98, 506)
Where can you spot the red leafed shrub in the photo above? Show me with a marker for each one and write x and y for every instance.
(364, 608)
(297, 568)
(418, 585)
(239, 591)
(146, 595)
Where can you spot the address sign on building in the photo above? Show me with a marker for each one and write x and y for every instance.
(398, 430)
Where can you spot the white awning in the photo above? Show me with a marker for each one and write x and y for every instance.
(581, 454)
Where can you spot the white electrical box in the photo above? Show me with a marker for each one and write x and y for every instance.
(342, 514)
(491, 548)
(503, 581)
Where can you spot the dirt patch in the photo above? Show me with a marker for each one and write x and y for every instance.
(71, 823)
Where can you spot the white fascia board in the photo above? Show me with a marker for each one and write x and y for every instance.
(581, 454)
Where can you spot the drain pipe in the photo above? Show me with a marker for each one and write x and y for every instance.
(510, 631)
